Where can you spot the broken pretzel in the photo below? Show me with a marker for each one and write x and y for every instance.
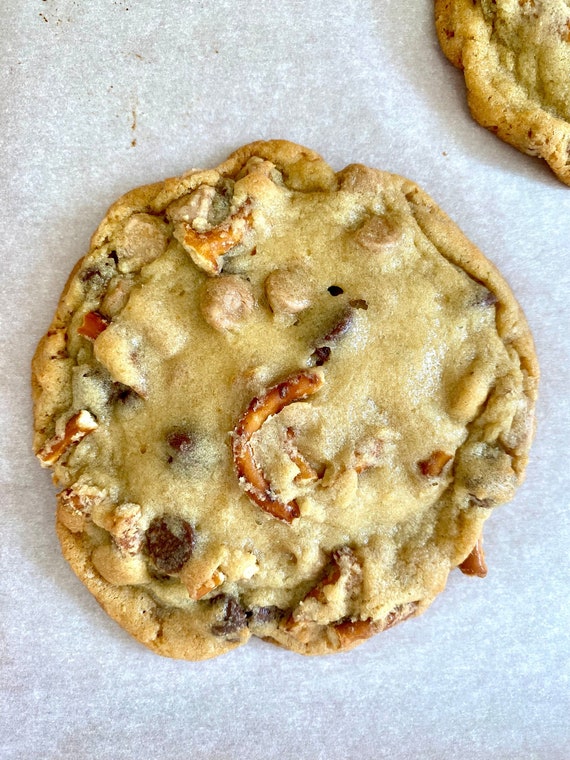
(77, 427)
(295, 388)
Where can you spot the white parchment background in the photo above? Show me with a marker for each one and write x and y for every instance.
(100, 96)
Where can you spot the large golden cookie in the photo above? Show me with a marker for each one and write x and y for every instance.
(515, 55)
(279, 401)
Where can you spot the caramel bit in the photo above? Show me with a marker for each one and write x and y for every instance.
(357, 630)
(226, 302)
(169, 543)
(93, 325)
(77, 427)
(474, 563)
(352, 631)
(207, 248)
(435, 464)
(257, 487)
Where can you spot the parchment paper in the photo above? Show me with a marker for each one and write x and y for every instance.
(100, 96)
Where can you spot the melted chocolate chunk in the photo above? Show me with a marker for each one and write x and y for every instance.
(484, 297)
(94, 278)
(259, 616)
(169, 543)
(181, 445)
(181, 441)
(89, 274)
(230, 615)
(359, 303)
(320, 355)
(122, 393)
(485, 503)
(340, 327)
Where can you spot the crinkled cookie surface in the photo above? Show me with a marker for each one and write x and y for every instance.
(281, 401)
(515, 55)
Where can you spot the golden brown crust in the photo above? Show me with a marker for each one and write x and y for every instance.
(525, 105)
(101, 526)
(171, 634)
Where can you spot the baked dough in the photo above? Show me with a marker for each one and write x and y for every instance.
(282, 401)
(515, 55)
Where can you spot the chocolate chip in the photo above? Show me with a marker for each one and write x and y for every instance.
(258, 616)
(320, 355)
(89, 274)
(335, 290)
(484, 503)
(181, 441)
(169, 543)
(485, 299)
(221, 203)
(359, 303)
(95, 278)
(340, 327)
(230, 614)
(122, 393)
(181, 446)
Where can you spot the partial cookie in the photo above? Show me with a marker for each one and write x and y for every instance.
(515, 55)
(279, 401)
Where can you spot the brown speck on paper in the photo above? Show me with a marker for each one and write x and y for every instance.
(134, 126)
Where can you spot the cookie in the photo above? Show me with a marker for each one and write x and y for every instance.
(515, 55)
(281, 401)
